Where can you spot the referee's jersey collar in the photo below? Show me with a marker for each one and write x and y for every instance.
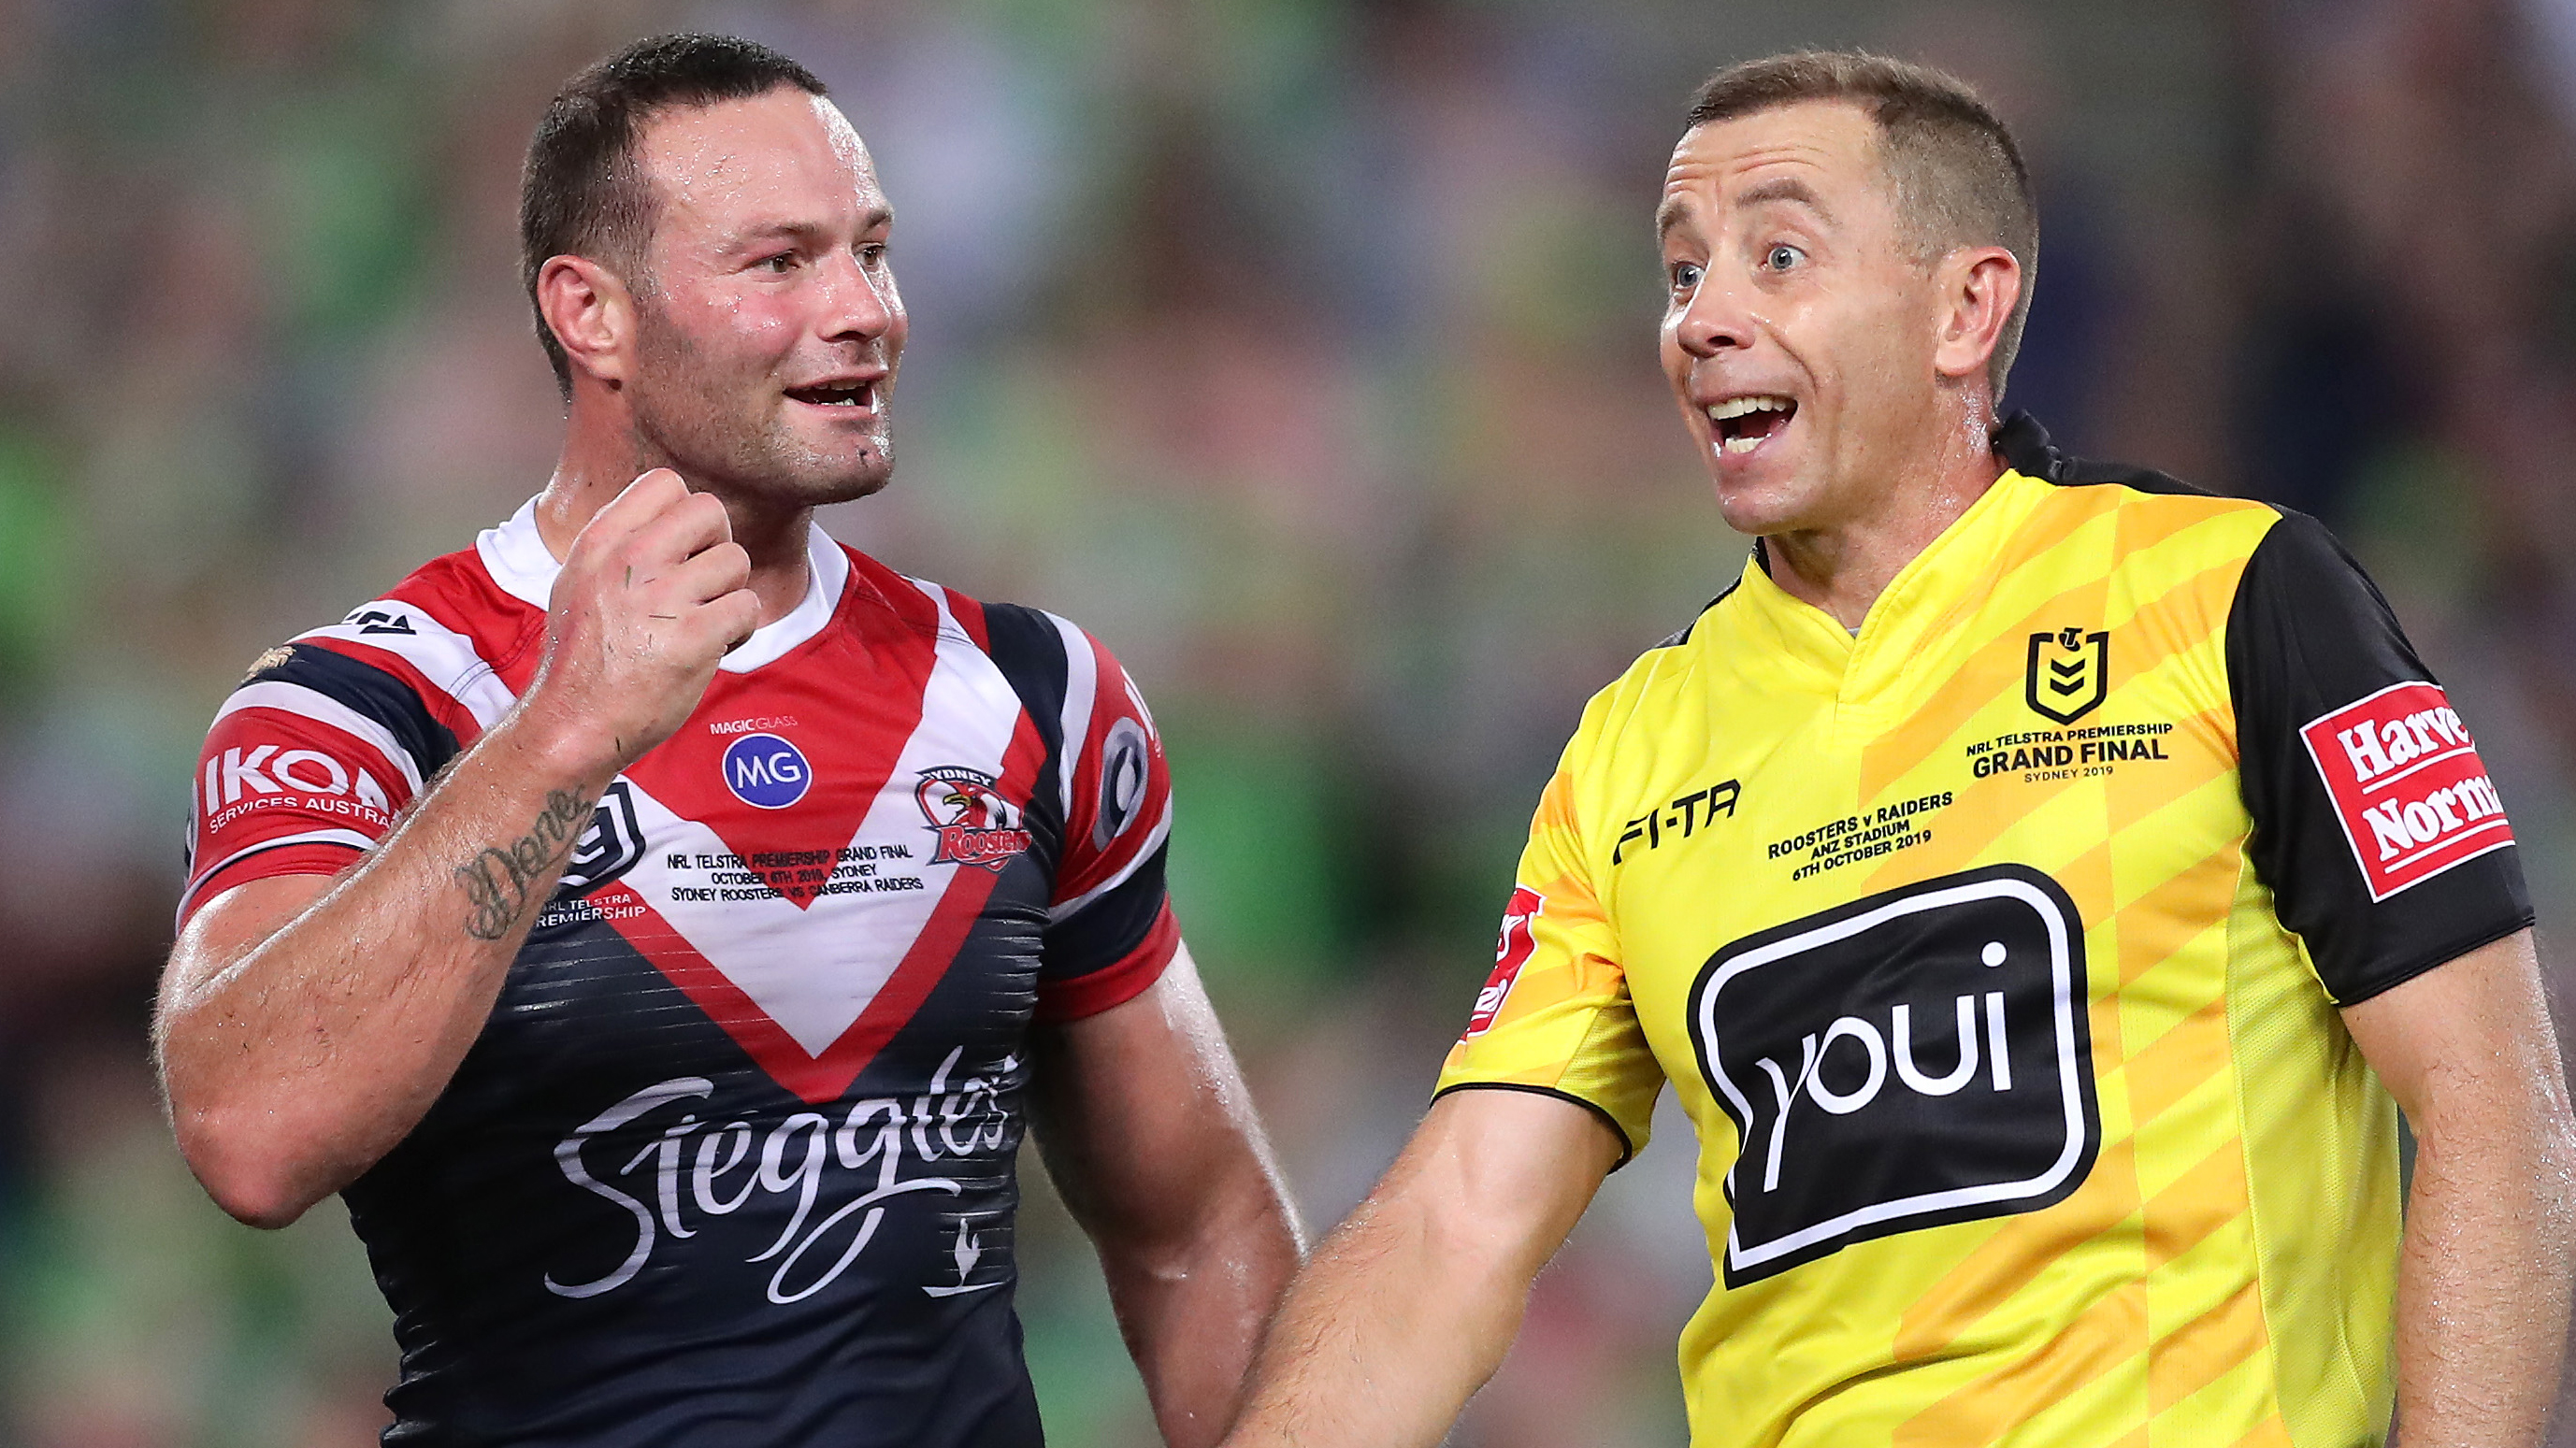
(516, 556)
(1927, 598)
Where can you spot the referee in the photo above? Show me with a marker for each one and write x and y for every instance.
(2041, 883)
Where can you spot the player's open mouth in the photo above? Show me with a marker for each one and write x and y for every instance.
(856, 395)
(1745, 423)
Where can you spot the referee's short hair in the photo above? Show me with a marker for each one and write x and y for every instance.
(1958, 176)
(582, 193)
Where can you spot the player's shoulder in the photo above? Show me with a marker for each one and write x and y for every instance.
(1072, 686)
(449, 628)
(1016, 636)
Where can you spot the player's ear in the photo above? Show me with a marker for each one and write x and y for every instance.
(591, 313)
(1978, 287)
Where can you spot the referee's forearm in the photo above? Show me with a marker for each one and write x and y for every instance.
(1385, 1336)
(2482, 1295)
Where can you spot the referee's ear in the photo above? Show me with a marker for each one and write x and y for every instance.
(1977, 287)
(592, 315)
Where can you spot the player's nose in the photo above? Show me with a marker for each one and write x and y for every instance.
(859, 300)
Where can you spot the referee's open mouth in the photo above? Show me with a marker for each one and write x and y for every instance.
(1742, 424)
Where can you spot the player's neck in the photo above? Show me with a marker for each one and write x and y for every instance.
(595, 468)
(1844, 568)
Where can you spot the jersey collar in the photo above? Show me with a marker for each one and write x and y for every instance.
(1920, 606)
(516, 557)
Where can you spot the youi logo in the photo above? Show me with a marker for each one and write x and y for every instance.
(766, 771)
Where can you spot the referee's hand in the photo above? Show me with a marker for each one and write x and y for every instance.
(651, 596)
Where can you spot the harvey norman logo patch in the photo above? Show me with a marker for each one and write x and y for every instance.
(2407, 784)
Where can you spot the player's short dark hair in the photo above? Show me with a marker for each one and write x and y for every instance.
(1958, 174)
(582, 193)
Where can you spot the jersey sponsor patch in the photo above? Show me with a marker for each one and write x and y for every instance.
(1907, 1060)
(2408, 786)
(1511, 952)
(766, 772)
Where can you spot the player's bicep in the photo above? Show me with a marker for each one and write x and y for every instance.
(231, 924)
(2383, 839)
(1141, 1111)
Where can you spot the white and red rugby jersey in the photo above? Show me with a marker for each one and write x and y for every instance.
(735, 1150)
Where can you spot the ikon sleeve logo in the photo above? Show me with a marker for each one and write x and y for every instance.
(2408, 786)
(1511, 952)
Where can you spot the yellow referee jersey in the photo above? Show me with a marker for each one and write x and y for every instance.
(1995, 952)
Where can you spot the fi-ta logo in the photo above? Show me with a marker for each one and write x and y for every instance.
(2070, 673)
(1908, 1060)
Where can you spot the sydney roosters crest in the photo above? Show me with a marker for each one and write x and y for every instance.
(975, 825)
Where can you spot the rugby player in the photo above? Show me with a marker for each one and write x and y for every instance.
(659, 921)
(2035, 880)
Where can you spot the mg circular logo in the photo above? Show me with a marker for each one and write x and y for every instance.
(766, 771)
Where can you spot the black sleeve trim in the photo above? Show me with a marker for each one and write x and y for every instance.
(1109, 926)
(2435, 959)
(1627, 1148)
(2310, 644)
(370, 691)
(1025, 646)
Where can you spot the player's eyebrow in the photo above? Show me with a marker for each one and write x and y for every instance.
(1669, 215)
(750, 236)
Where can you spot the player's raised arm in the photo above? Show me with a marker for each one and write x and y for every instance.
(1149, 1132)
(1411, 1303)
(307, 1021)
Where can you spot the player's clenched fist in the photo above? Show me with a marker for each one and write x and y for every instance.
(651, 596)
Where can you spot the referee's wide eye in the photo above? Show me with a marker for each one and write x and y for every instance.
(1782, 256)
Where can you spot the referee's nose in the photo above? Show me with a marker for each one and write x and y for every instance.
(1718, 317)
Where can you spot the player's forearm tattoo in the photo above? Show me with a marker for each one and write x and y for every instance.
(497, 881)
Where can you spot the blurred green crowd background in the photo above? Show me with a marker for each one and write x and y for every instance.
(1301, 349)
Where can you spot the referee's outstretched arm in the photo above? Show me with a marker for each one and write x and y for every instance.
(2482, 1281)
(306, 1023)
(1411, 1303)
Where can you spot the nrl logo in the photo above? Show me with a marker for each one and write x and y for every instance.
(2070, 673)
(975, 825)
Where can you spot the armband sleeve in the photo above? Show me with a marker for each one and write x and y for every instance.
(1110, 930)
(1555, 1016)
(2383, 840)
(306, 766)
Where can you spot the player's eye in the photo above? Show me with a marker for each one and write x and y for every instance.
(780, 262)
(872, 254)
(1685, 276)
(1782, 256)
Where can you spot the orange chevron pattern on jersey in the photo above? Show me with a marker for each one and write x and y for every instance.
(2007, 1081)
